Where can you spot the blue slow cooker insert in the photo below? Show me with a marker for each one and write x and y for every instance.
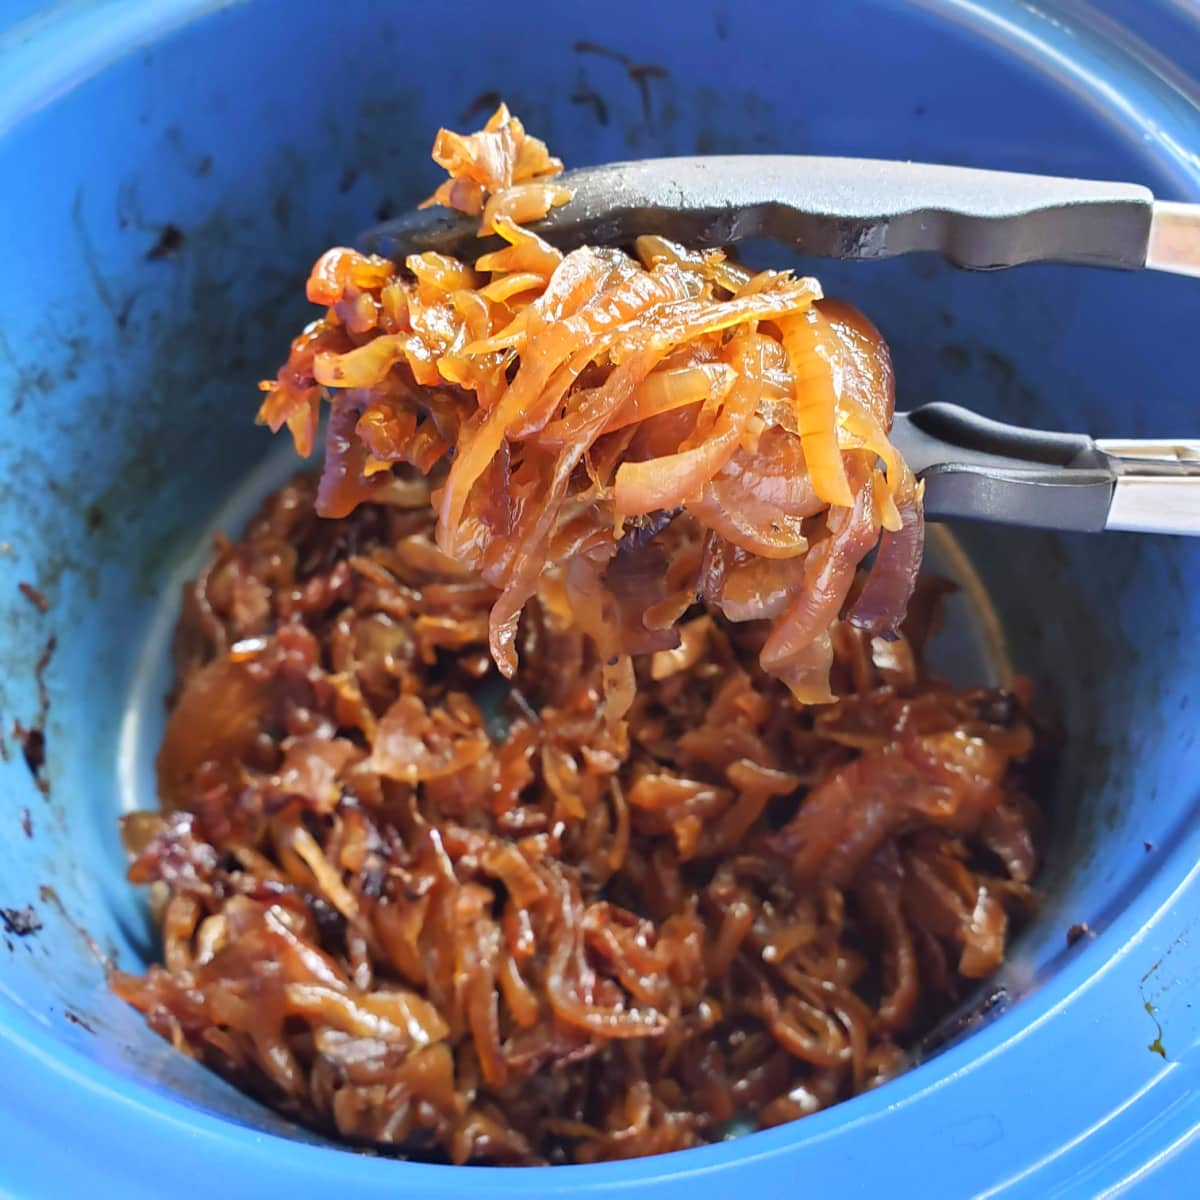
(172, 167)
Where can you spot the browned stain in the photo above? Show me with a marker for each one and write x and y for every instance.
(1180, 940)
(1156, 1046)
(585, 47)
(39, 674)
(26, 823)
(170, 240)
(28, 380)
(640, 73)
(20, 922)
(34, 595)
(76, 1019)
(48, 895)
(586, 95)
(1154, 983)
(33, 750)
(123, 313)
(32, 738)
(486, 102)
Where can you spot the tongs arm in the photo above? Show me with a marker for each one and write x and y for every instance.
(980, 469)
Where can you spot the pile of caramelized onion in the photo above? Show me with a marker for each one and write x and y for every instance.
(652, 429)
(547, 784)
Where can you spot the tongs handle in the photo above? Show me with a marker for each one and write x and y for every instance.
(840, 208)
(981, 469)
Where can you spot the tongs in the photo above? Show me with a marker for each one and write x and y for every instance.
(973, 468)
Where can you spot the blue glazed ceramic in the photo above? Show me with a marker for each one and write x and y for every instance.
(171, 168)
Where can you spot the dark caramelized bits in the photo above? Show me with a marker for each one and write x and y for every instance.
(425, 909)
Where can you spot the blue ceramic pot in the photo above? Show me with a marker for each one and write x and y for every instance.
(171, 168)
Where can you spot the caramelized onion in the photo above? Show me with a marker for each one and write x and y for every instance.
(883, 601)
(433, 924)
(614, 386)
(500, 823)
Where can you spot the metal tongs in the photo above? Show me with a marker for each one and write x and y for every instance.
(973, 467)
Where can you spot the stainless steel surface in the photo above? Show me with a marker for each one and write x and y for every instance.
(1151, 451)
(1174, 238)
(1157, 488)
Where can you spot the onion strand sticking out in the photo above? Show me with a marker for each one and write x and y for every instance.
(553, 398)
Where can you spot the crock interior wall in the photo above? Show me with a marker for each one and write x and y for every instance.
(128, 359)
